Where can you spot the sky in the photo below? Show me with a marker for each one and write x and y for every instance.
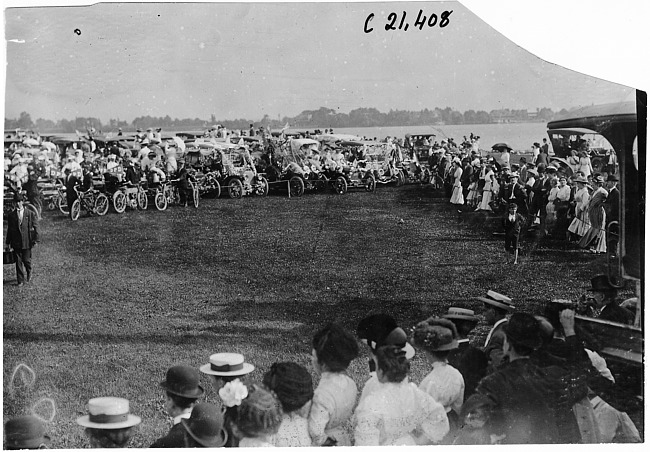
(245, 60)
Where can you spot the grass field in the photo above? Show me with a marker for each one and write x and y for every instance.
(117, 300)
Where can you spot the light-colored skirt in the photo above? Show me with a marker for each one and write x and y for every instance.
(580, 224)
(457, 196)
(485, 202)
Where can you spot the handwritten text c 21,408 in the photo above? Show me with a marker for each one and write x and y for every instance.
(397, 22)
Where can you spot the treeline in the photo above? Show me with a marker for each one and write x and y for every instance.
(323, 117)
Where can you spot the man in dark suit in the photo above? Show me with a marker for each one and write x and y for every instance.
(515, 193)
(70, 181)
(22, 235)
(611, 213)
(604, 298)
(466, 177)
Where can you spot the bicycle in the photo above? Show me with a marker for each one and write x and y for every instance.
(129, 195)
(92, 201)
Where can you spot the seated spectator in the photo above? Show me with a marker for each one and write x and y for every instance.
(204, 428)
(258, 418)
(336, 394)
(182, 390)
(109, 423)
(25, 432)
(292, 384)
(497, 308)
(397, 413)
(604, 299)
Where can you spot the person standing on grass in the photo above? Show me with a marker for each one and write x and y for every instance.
(22, 236)
(457, 197)
(497, 309)
(292, 384)
(612, 205)
(466, 178)
(595, 235)
(333, 349)
(182, 390)
(580, 223)
(437, 338)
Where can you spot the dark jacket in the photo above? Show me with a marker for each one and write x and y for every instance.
(612, 204)
(525, 400)
(22, 236)
(472, 363)
(513, 227)
(614, 313)
(466, 177)
(174, 439)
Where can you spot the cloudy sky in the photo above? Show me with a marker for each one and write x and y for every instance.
(244, 60)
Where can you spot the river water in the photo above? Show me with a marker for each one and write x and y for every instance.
(520, 136)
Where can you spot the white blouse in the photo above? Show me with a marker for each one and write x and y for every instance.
(396, 414)
(332, 406)
(293, 432)
(446, 385)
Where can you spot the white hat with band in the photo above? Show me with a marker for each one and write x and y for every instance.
(227, 365)
(498, 300)
(108, 413)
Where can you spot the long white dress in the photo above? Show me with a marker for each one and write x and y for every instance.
(580, 224)
(392, 413)
(488, 188)
(331, 409)
(457, 194)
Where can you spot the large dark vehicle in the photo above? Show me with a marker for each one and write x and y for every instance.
(623, 125)
(420, 145)
(566, 140)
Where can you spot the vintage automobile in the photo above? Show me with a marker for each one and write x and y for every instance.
(569, 139)
(420, 145)
(381, 159)
(346, 168)
(236, 170)
(623, 125)
(296, 167)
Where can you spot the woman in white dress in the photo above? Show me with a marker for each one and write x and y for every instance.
(397, 413)
(437, 337)
(580, 223)
(574, 161)
(585, 164)
(457, 194)
(491, 185)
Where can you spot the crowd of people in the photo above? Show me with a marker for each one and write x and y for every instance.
(536, 379)
(564, 201)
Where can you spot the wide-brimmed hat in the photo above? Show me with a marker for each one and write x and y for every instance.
(612, 178)
(523, 329)
(461, 314)
(25, 432)
(435, 335)
(599, 179)
(227, 365)
(533, 171)
(581, 178)
(183, 381)
(600, 282)
(108, 413)
(205, 425)
(382, 329)
(498, 301)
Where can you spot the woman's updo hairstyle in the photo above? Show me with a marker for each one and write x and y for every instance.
(260, 413)
(335, 347)
(391, 360)
(291, 383)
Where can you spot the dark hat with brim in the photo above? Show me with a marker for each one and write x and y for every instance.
(497, 300)
(382, 329)
(25, 432)
(435, 335)
(183, 381)
(205, 425)
(600, 282)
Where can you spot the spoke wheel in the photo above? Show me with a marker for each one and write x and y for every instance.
(119, 202)
(235, 188)
(296, 186)
(370, 184)
(75, 210)
(101, 204)
(160, 200)
(142, 200)
(340, 185)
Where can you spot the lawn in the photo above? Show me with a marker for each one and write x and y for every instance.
(116, 300)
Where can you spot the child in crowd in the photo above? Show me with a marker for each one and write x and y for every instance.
(437, 337)
(335, 397)
(225, 371)
(292, 384)
(182, 390)
(109, 424)
(258, 418)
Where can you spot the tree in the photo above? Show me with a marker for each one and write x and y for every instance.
(25, 121)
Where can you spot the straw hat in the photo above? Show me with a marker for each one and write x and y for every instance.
(498, 301)
(461, 314)
(108, 413)
(227, 365)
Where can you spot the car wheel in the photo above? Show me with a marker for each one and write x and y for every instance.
(296, 186)
(235, 188)
(340, 185)
(262, 186)
(119, 202)
(101, 204)
(370, 184)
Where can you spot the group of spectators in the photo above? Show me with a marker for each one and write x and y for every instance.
(535, 379)
(566, 202)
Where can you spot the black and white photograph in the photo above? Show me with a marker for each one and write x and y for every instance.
(306, 224)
